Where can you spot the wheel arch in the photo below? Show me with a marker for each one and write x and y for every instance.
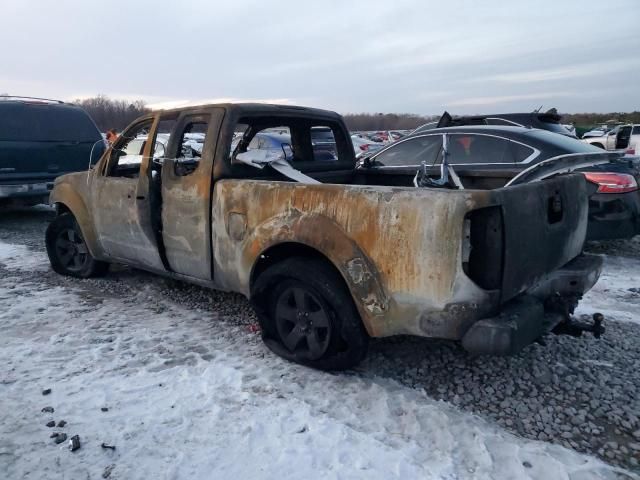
(281, 251)
(302, 238)
(66, 200)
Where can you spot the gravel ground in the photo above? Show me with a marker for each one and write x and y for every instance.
(579, 393)
(623, 248)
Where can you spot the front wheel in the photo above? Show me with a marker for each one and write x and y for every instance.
(307, 315)
(67, 250)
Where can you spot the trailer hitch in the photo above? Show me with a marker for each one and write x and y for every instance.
(575, 328)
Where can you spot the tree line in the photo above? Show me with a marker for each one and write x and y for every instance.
(591, 119)
(385, 121)
(113, 113)
(407, 121)
(109, 113)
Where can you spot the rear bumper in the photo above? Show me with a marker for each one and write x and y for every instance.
(31, 189)
(614, 216)
(536, 312)
(25, 194)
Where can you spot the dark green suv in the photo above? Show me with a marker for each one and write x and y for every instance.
(40, 140)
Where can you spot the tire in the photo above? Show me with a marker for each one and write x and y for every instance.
(290, 296)
(68, 252)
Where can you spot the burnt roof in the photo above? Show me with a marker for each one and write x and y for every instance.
(240, 109)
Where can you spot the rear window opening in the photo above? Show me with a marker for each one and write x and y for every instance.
(305, 144)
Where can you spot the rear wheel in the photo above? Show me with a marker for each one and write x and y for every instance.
(68, 252)
(307, 315)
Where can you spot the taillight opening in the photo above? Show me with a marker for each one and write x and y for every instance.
(483, 251)
(610, 182)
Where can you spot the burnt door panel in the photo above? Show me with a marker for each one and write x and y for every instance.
(186, 194)
(119, 224)
(120, 196)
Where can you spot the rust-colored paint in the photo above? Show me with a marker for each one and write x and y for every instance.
(398, 249)
(71, 190)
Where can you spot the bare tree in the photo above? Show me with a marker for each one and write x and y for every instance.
(108, 113)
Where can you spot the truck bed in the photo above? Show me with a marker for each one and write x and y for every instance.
(421, 261)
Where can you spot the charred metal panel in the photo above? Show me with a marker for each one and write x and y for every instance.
(119, 224)
(186, 225)
(456, 318)
(119, 211)
(72, 191)
(186, 200)
(398, 249)
(537, 240)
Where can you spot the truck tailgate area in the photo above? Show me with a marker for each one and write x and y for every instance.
(544, 228)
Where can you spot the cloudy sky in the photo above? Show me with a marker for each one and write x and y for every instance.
(351, 56)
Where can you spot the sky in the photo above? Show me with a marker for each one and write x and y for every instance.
(403, 56)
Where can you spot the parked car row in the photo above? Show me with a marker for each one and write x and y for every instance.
(621, 137)
(363, 146)
(601, 129)
(485, 156)
(381, 136)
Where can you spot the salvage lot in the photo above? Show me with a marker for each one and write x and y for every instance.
(190, 388)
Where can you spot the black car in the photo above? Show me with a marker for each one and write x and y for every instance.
(489, 157)
(549, 120)
(322, 137)
(39, 140)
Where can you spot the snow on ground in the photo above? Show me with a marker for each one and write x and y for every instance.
(617, 292)
(191, 397)
(19, 257)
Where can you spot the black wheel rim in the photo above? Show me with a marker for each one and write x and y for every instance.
(71, 250)
(303, 323)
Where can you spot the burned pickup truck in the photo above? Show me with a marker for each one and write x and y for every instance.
(328, 256)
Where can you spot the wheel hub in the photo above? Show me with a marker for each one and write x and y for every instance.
(71, 249)
(302, 322)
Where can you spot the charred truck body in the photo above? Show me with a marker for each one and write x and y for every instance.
(327, 255)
